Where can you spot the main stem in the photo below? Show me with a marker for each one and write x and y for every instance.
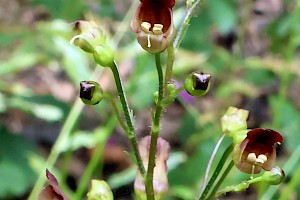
(216, 172)
(130, 129)
(155, 132)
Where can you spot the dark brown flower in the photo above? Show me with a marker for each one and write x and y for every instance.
(257, 151)
(153, 24)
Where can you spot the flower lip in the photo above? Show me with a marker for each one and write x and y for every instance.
(162, 3)
(257, 151)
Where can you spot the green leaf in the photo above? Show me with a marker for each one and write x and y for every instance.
(16, 176)
(223, 14)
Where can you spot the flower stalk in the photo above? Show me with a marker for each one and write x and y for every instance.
(128, 117)
(155, 131)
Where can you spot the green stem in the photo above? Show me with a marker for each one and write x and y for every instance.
(96, 159)
(211, 160)
(239, 187)
(169, 67)
(155, 131)
(128, 117)
(216, 172)
(185, 23)
(220, 181)
(56, 149)
(116, 110)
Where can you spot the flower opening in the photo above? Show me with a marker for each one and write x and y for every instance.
(257, 151)
(153, 24)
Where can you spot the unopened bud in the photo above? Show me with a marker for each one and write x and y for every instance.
(197, 84)
(99, 191)
(275, 176)
(91, 92)
(234, 120)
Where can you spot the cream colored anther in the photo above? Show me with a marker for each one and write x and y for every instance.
(261, 159)
(251, 157)
(146, 27)
(157, 29)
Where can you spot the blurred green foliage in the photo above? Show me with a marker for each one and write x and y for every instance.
(237, 80)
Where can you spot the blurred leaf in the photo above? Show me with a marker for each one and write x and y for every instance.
(74, 60)
(43, 107)
(65, 9)
(16, 175)
(287, 118)
(223, 14)
(262, 76)
(143, 82)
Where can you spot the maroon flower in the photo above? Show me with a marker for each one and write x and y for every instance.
(153, 24)
(257, 151)
(52, 191)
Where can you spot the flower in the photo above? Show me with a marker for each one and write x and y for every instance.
(153, 24)
(51, 191)
(257, 151)
(160, 179)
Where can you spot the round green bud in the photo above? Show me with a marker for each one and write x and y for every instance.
(100, 190)
(275, 176)
(91, 92)
(104, 55)
(197, 84)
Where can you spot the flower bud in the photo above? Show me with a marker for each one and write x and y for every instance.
(234, 120)
(89, 35)
(99, 191)
(104, 56)
(197, 84)
(160, 179)
(91, 39)
(275, 176)
(91, 92)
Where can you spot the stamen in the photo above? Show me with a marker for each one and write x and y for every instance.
(261, 159)
(157, 29)
(149, 42)
(252, 172)
(146, 27)
(251, 157)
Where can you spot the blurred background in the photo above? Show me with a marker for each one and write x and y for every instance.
(251, 49)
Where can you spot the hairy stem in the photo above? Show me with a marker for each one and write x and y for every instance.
(128, 117)
(185, 23)
(155, 131)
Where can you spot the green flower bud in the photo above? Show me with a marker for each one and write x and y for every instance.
(275, 176)
(89, 36)
(234, 120)
(91, 92)
(104, 56)
(91, 39)
(197, 84)
(99, 191)
(171, 87)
